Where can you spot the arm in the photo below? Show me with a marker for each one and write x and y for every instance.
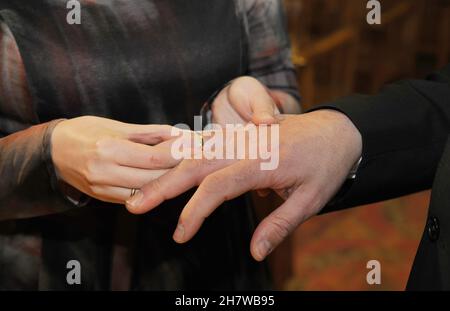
(25, 162)
(271, 84)
(43, 165)
(270, 52)
(25, 184)
(400, 133)
(404, 129)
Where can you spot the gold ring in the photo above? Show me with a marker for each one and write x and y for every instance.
(133, 192)
(202, 139)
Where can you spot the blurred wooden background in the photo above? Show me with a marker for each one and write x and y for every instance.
(337, 53)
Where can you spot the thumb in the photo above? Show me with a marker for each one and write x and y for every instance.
(281, 223)
(264, 110)
(251, 99)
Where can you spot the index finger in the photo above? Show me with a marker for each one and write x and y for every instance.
(186, 175)
(223, 185)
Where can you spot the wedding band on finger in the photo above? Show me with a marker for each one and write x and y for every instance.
(133, 192)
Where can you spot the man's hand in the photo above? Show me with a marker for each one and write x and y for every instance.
(317, 152)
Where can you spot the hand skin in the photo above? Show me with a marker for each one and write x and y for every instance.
(317, 152)
(248, 100)
(105, 159)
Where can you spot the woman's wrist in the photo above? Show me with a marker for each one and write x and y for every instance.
(206, 110)
(69, 193)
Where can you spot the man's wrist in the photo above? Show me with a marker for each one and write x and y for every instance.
(351, 137)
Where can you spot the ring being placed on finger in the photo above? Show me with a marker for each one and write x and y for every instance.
(200, 139)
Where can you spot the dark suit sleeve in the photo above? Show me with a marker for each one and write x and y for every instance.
(404, 130)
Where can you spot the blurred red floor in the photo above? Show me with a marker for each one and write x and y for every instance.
(330, 252)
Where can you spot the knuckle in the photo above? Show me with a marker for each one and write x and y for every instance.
(155, 160)
(281, 226)
(235, 89)
(211, 183)
(102, 146)
(91, 171)
(246, 172)
(186, 165)
(244, 80)
(156, 188)
(238, 87)
(95, 189)
(193, 168)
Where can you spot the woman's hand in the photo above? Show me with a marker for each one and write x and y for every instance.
(105, 159)
(245, 100)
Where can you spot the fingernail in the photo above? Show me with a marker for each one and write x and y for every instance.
(266, 116)
(135, 201)
(276, 111)
(179, 234)
(264, 248)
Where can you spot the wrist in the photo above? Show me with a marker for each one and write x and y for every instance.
(59, 185)
(348, 135)
(206, 110)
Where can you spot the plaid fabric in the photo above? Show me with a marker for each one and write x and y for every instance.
(27, 189)
(269, 46)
